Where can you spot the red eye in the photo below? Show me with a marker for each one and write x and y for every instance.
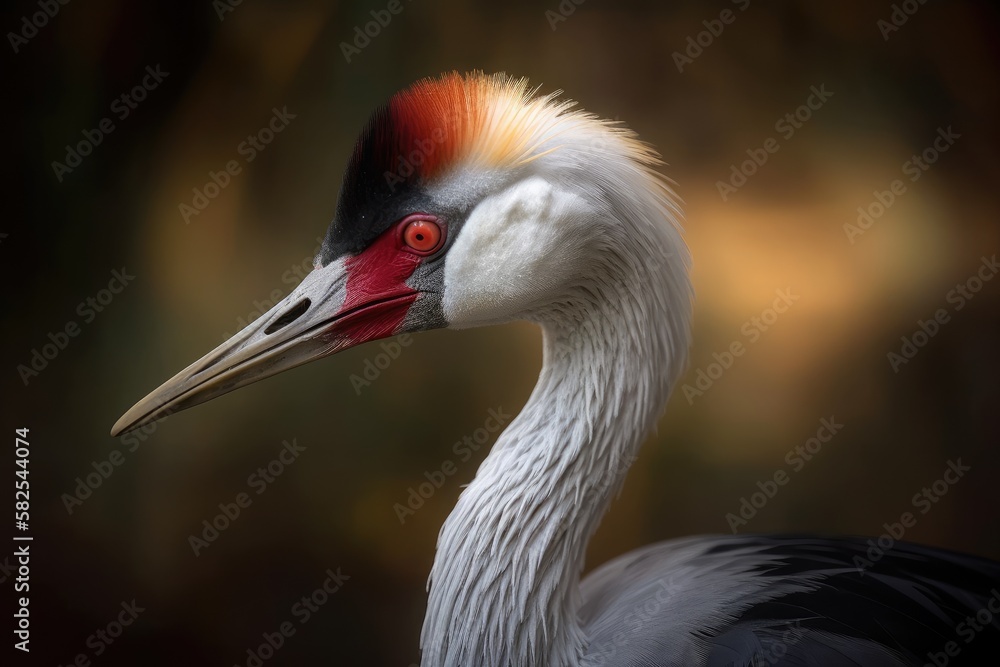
(422, 235)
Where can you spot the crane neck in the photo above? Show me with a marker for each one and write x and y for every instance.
(505, 583)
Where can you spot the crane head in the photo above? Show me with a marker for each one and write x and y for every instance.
(467, 201)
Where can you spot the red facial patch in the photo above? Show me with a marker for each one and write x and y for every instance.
(378, 297)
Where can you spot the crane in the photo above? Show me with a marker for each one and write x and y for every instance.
(471, 200)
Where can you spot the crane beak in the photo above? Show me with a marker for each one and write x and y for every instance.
(325, 314)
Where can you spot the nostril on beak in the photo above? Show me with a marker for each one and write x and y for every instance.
(297, 311)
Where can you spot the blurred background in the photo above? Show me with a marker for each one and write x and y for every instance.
(113, 519)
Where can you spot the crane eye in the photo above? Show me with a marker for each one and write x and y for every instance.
(422, 235)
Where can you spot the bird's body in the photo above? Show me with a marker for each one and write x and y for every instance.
(731, 600)
(523, 209)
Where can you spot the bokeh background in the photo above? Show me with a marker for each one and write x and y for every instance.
(333, 508)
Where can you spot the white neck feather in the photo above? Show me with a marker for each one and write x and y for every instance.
(505, 581)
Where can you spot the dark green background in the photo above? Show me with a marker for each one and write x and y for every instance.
(333, 508)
